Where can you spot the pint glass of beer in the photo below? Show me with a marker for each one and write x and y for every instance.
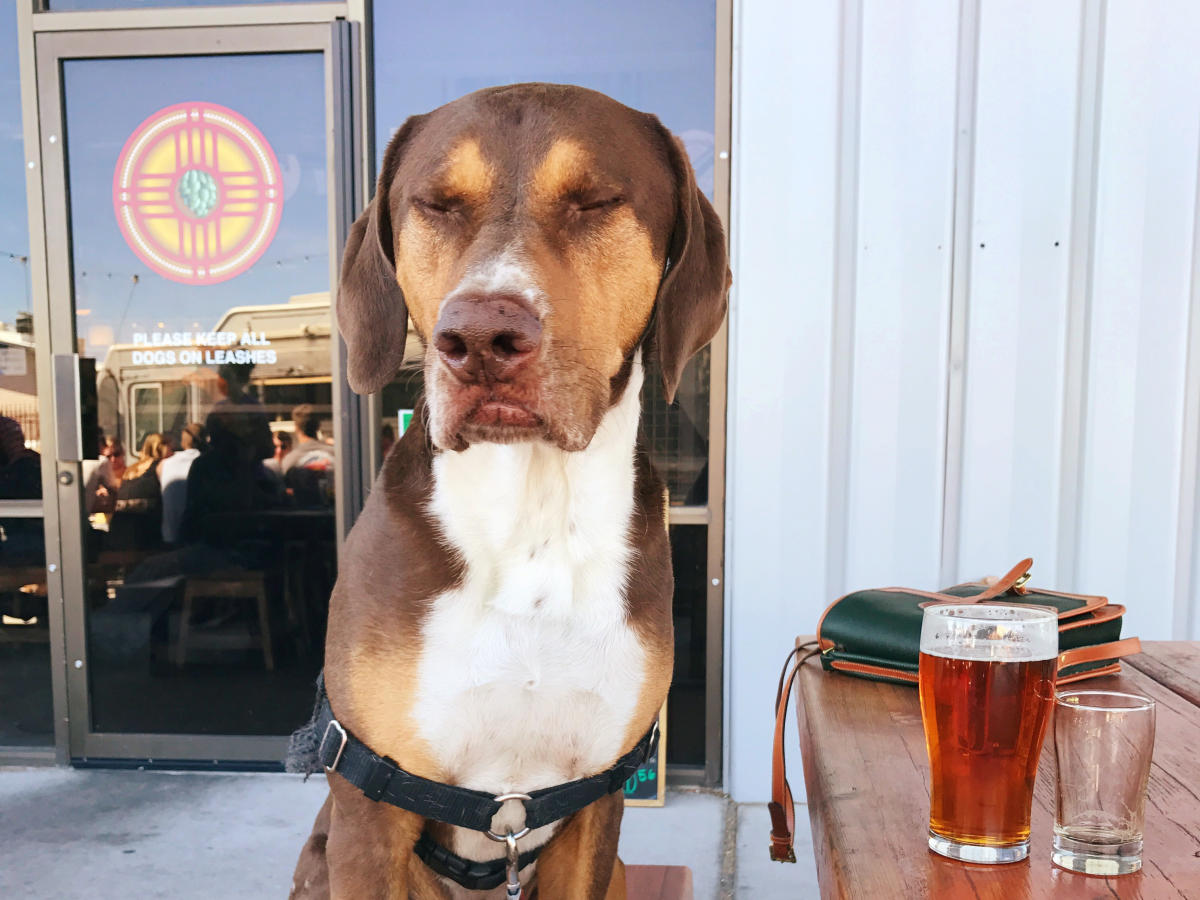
(987, 686)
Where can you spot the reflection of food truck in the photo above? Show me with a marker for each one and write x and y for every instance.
(163, 381)
(152, 385)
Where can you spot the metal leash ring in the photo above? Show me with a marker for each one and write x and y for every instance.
(512, 857)
(504, 838)
(501, 838)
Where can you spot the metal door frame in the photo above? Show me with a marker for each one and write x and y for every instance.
(170, 34)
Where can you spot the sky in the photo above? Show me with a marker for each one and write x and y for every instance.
(14, 225)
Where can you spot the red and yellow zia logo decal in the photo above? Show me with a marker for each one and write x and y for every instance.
(197, 193)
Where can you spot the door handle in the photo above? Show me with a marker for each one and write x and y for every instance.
(66, 405)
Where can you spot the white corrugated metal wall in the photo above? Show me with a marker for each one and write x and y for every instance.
(965, 265)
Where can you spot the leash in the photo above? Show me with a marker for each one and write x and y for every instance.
(381, 779)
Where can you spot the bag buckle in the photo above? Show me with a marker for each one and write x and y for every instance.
(333, 723)
(776, 856)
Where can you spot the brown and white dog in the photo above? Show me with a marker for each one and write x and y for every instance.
(502, 616)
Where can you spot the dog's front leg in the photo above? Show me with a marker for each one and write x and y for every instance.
(370, 850)
(581, 860)
(310, 881)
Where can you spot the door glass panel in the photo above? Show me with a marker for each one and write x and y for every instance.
(197, 195)
(26, 716)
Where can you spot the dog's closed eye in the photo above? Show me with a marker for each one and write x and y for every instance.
(592, 198)
(438, 206)
(596, 204)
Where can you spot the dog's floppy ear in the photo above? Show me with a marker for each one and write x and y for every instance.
(370, 306)
(691, 299)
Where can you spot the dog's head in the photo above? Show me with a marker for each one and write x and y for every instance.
(537, 235)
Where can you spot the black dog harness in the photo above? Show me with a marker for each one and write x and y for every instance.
(382, 780)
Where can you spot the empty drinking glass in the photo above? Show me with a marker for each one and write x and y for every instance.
(1103, 743)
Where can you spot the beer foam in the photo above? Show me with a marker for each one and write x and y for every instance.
(990, 632)
(991, 651)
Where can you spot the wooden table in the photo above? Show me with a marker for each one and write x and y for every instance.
(867, 777)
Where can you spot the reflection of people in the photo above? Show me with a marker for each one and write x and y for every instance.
(308, 468)
(239, 412)
(137, 519)
(283, 446)
(20, 479)
(20, 467)
(311, 451)
(387, 438)
(102, 485)
(231, 476)
(173, 474)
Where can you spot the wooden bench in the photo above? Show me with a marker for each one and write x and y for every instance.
(658, 882)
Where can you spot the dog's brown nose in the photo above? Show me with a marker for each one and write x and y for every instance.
(487, 338)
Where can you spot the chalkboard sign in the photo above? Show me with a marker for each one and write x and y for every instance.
(648, 785)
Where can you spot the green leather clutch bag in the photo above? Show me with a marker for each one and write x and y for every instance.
(876, 633)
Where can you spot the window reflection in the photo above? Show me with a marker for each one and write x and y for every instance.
(209, 499)
(26, 705)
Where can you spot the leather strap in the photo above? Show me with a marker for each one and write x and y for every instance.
(474, 876)
(781, 807)
(381, 778)
(1014, 581)
(1096, 652)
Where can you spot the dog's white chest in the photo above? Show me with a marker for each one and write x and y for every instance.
(515, 698)
(530, 669)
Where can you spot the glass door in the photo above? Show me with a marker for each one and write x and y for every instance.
(198, 186)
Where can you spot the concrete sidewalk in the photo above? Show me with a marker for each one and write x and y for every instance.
(116, 835)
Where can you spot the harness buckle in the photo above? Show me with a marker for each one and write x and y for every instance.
(333, 723)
